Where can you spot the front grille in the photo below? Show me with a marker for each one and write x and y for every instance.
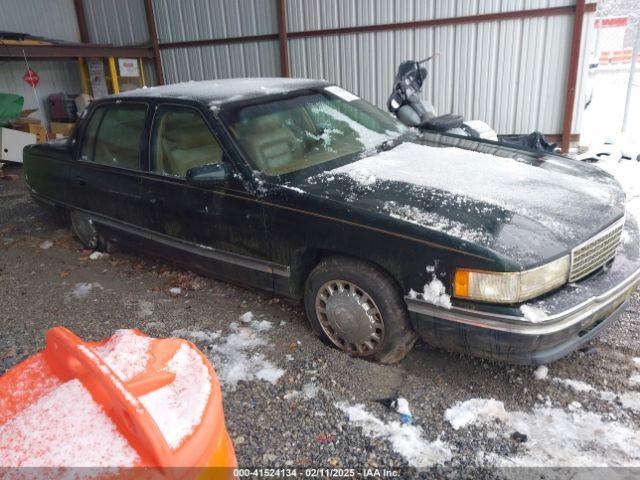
(595, 252)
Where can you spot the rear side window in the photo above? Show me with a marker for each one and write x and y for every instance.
(182, 140)
(113, 135)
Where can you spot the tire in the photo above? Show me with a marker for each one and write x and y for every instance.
(83, 228)
(358, 308)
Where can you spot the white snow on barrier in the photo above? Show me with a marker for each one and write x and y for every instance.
(556, 438)
(407, 440)
(177, 408)
(65, 427)
(126, 353)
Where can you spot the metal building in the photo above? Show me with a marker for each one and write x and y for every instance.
(519, 65)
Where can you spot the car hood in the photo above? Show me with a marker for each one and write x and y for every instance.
(524, 206)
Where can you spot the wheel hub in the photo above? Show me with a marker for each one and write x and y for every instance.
(350, 317)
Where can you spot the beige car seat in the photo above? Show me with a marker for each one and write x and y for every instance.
(185, 142)
(269, 143)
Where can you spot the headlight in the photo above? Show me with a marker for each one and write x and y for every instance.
(510, 287)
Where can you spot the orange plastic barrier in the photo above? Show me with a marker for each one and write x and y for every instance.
(147, 402)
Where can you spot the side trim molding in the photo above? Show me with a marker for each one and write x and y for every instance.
(193, 248)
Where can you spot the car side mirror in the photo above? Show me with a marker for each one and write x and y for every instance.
(208, 175)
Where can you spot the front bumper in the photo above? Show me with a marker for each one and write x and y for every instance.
(510, 337)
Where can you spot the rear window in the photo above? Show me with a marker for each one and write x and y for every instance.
(113, 136)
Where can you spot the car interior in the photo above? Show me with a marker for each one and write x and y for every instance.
(182, 140)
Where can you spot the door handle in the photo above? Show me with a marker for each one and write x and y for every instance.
(80, 180)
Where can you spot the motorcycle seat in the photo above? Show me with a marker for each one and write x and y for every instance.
(443, 122)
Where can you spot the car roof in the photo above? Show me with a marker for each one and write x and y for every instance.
(218, 92)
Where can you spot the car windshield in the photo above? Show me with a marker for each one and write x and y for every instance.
(308, 128)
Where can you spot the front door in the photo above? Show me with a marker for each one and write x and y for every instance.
(219, 230)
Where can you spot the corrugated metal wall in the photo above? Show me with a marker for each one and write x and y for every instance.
(118, 22)
(55, 77)
(178, 21)
(54, 19)
(511, 73)
(321, 14)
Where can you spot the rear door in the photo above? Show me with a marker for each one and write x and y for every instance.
(106, 177)
(218, 229)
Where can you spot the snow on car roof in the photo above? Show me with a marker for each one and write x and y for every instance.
(217, 92)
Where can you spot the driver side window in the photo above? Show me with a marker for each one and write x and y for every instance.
(113, 135)
(182, 140)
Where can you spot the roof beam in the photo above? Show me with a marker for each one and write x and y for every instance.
(71, 50)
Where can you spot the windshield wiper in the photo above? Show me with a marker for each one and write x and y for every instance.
(394, 142)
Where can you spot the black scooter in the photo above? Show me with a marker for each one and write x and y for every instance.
(405, 103)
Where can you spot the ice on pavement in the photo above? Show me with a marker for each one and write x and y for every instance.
(407, 440)
(556, 437)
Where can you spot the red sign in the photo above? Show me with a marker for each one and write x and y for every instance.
(31, 77)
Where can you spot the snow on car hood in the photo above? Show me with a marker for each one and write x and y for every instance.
(525, 206)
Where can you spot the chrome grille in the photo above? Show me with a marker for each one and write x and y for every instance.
(595, 252)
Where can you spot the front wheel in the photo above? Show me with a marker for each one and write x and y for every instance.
(358, 308)
(84, 229)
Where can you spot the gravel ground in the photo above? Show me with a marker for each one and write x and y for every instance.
(295, 421)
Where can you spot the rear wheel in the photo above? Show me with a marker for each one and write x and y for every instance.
(84, 229)
(358, 308)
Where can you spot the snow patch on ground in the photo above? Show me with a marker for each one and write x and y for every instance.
(556, 438)
(195, 335)
(541, 372)
(476, 410)
(234, 358)
(634, 379)
(46, 245)
(575, 385)
(65, 427)
(407, 440)
(433, 292)
(82, 290)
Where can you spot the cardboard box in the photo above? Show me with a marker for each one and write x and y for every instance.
(60, 128)
(30, 125)
(37, 129)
